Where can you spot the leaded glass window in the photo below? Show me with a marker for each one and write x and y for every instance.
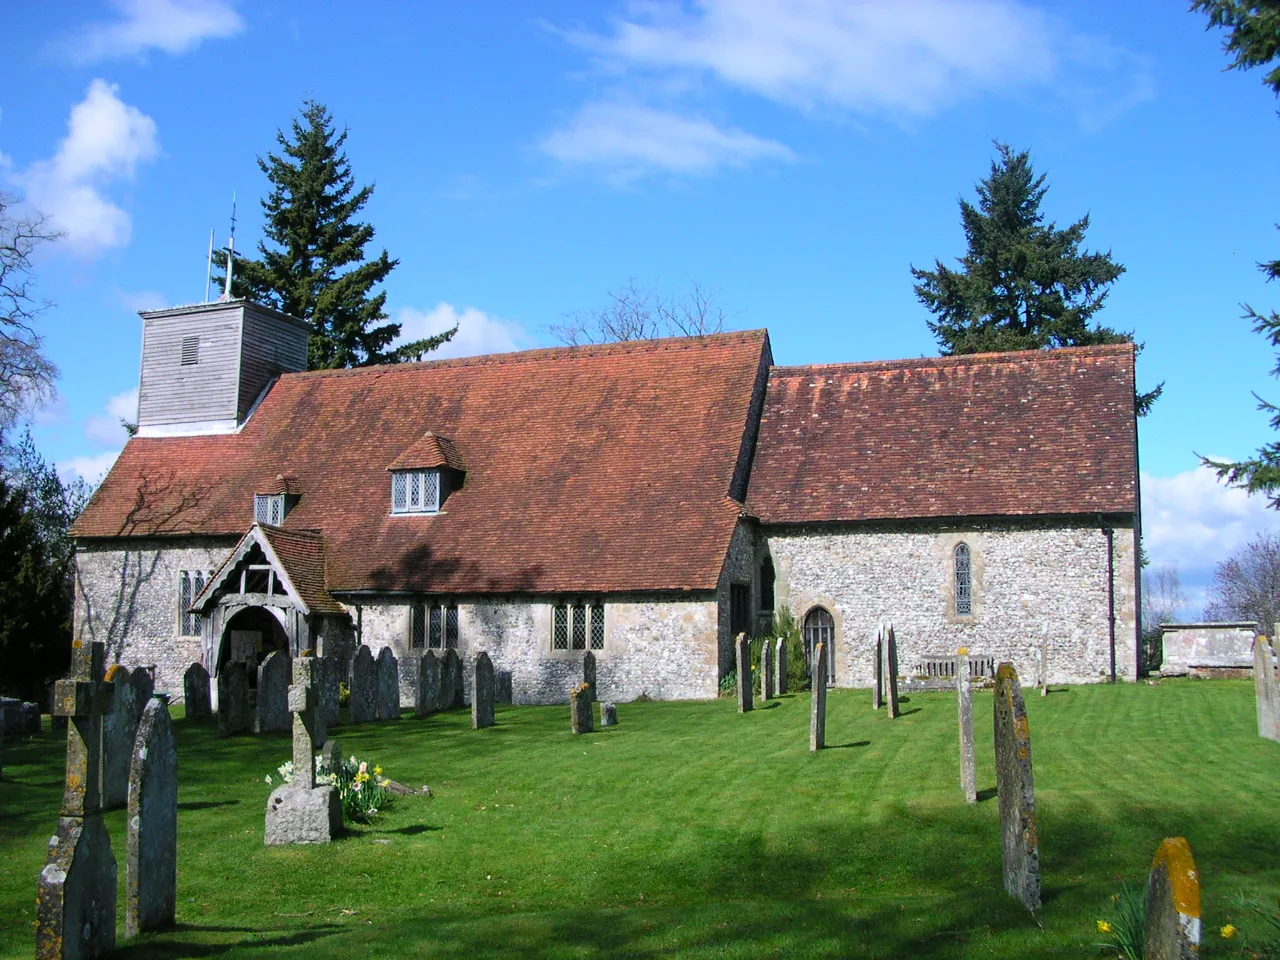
(597, 627)
(820, 627)
(415, 491)
(436, 635)
(435, 625)
(418, 627)
(451, 627)
(577, 625)
(190, 585)
(560, 628)
(964, 581)
(399, 493)
(269, 508)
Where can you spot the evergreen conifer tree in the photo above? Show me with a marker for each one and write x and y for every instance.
(315, 266)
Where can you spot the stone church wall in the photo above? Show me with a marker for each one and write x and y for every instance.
(1029, 580)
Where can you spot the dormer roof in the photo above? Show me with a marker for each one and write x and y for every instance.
(428, 452)
(298, 557)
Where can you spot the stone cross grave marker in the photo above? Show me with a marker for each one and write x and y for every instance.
(589, 671)
(331, 674)
(301, 812)
(782, 665)
(118, 728)
(818, 706)
(484, 689)
(388, 705)
(427, 697)
(964, 697)
(76, 894)
(1265, 689)
(743, 647)
(767, 692)
(891, 671)
(450, 679)
(877, 668)
(273, 693)
(364, 687)
(1173, 904)
(1016, 786)
(152, 868)
(580, 713)
(234, 715)
(195, 692)
(608, 714)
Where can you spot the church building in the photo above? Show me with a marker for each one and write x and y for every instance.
(646, 501)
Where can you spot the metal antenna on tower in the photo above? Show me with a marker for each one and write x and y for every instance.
(208, 274)
(231, 250)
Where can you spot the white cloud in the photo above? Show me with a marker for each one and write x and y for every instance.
(174, 26)
(139, 300)
(106, 141)
(92, 468)
(1194, 522)
(478, 333)
(629, 140)
(105, 428)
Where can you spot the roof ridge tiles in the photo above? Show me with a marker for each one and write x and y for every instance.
(1054, 354)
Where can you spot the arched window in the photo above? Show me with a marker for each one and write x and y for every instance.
(820, 627)
(964, 581)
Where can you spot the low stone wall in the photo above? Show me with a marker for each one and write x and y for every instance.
(1213, 650)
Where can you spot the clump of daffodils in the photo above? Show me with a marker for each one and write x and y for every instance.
(363, 794)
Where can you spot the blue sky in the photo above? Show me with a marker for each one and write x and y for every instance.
(795, 158)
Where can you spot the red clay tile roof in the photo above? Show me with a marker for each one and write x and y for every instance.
(301, 553)
(601, 468)
(427, 452)
(278, 483)
(1012, 434)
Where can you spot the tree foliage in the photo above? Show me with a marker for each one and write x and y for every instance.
(314, 266)
(26, 374)
(634, 312)
(1246, 586)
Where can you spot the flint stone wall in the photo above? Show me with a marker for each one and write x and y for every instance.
(1207, 648)
(1026, 576)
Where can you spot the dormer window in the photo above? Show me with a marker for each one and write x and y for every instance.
(415, 491)
(269, 508)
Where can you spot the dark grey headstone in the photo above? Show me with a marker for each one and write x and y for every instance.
(483, 691)
(451, 688)
(767, 681)
(818, 705)
(331, 675)
(144, 686)
(783, 679)
(152, 874)
(363, 704)
(1173, 904)
(1020, 839)
(11, 715)
(891, 671)
(964, 698)
(388, 700)
(608, 714)
(589, 672)
(742, 646)
(427, 694)
(234, 715)
(119, 727)
(505, 692)
(30, 714)
(877, 659)
(273, 693)
(196, 693)
(580, 713)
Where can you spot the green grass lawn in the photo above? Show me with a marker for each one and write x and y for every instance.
(692, 831)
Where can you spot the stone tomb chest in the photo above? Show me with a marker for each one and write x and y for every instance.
(1207, 649)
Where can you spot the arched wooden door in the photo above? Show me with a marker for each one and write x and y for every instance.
(820, 627)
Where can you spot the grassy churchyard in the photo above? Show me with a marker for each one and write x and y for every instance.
(691, 831)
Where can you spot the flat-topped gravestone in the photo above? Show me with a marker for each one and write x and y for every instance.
(483, 691)
(580, 714)
(589, 671)
(301, 811)
(782, 665)
(118, 729)
(818, 705)
(388, 701)
(1016, 786)
(331, 674)
(964, 698)
(891, 671)
(234, 715)
(273, 693)
(427, 693)
(363, 704)
(767, 692)
(1173, 904)
(743, 648)
(76, 894)
(608, 714)
(152, 872)
(1265, 689)
(877, 669)
(196, 694)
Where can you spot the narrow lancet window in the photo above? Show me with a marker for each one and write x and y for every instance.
(964, 581)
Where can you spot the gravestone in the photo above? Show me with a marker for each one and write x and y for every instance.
(11, 715)
(589, 671)
(119, 727)
(388, 700)
(364, 687)
(450, 679)
(30, 713)
(1044, 661)
(506, 692)
(273, 693)
(301, 812)
(1173, 904)
(152, 872)
(608, 714)
(891, 671)
(76, 895)
(767, 692)
(144, 686)
(331, 672)
(877, 668)
(234, 715)
(964, 697)
(427, 696)
(1265, 689)
(818, 705)
(483, 691)
(782, 665)
(195, 692)
(1016, 786)
(580, 714)
(743, 647)
(331, 755)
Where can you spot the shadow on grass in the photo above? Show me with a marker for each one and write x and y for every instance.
(846, 746)
(164, 945)
(988, 794)
(206, 804)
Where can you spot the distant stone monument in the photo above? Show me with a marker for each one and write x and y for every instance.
(196, 694)
(76, 895)
(608, 714)
(119, 726)
(301, 812)
(580, 714)
(152, 870)
(964, 697)
(427, 695)
(743, 647)
(877, 668)
(388, 700)
(1266, 690)
(767, 691)
(332, 669)
(234, 715)
(273, 693)
(483, 691)
(818, 705)
(782, 665)
(1016, 786)
(1173, 904)
(891, 671)
(362, 705)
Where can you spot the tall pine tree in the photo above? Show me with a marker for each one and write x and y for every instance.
(315, 266)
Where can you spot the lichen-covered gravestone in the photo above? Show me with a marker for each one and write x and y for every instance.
(388, 701)
(76, 895)
(1265, 689)
(1017, 789)
(331, 670)
(483, 691)
(273, 693)
(782, 665)
(1173, 904)
(118, 729)
(891, 671)
(234, 715)
(364, 687)
(766, 672)
(195, 692)
(580, 714)
(301, 812)
(608, 714)
(818, 705)
(152, 874)
(450, 680)
(964, 697)
(877, 668)
(589, 672)
(743, 647)
(427, 695)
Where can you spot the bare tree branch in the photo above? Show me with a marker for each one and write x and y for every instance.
(26, 375)
(643, 313)
(1246, 586)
